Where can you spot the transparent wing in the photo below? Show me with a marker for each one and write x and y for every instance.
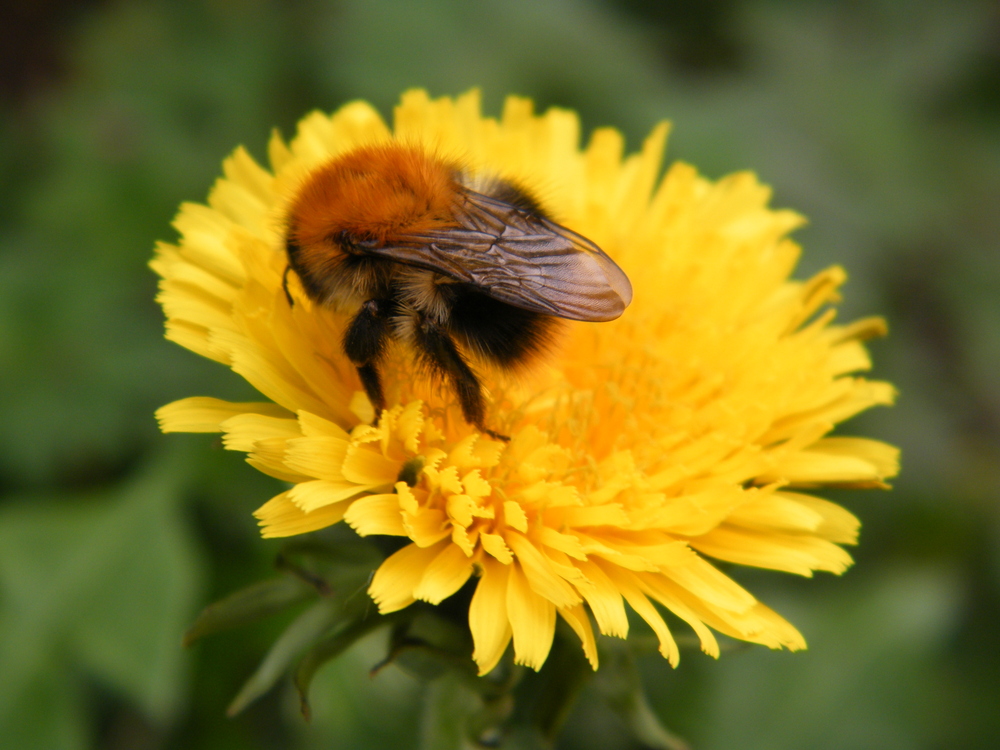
(519, 258)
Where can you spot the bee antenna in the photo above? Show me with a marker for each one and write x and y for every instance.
(284, 285)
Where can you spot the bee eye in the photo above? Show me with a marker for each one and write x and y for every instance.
(352, 243)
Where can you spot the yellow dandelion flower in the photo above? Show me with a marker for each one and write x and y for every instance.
(693, 427)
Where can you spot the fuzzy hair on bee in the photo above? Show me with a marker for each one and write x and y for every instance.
(452, 264)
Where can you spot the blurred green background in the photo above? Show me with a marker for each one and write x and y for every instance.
(878, 120)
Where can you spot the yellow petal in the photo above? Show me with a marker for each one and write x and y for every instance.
(488, 621)
(310, 496)
(426, 527)
(269, 455)
(475, 451)
(539, 574)
(445, 575)
(365, 466)
(281, 517)
(595, 515)
(757, 625)
(565, 543)
(605, 601)
(267, 371)
(706, 582)
(514, 515)
(408, 499)
(813, 467)
(884, 457)
(315, 426)
(204, 232)
(410, 424)
(838, 524)
(496, 546)
(275, 468)
(626, 584)
(376, 514)
(196, 338)
(475, 485)
(792, 553)
(245, 432)
(319, 457)
(449, 482)
(399, 575)
(577, 619)
(361, 407)
(594, 547)
(532, 620)
(459, 508)
(465, 540)
(776, 511)
(696, 513)
(202, 414)
(242, 169)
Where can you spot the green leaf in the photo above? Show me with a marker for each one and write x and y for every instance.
(101, 581)
(249, 605)
(46, 713)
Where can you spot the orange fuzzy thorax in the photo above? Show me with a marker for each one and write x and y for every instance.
(373, 193)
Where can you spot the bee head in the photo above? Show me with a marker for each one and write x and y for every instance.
(368, 195)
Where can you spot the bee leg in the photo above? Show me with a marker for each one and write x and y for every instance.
(373, 389)
(364, 343)
(440, 351)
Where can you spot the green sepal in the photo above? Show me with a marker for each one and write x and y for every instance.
(459, 717)
(427, 645)
(619, 684)
(337, 548)
(333, 646)
(300, 635)
(248, 605)
(545, 698)
(330, 560)
(464, 711)
(512, 706)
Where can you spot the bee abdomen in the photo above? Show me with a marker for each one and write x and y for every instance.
(507, 336)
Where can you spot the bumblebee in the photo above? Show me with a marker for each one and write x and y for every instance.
(417, 250)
